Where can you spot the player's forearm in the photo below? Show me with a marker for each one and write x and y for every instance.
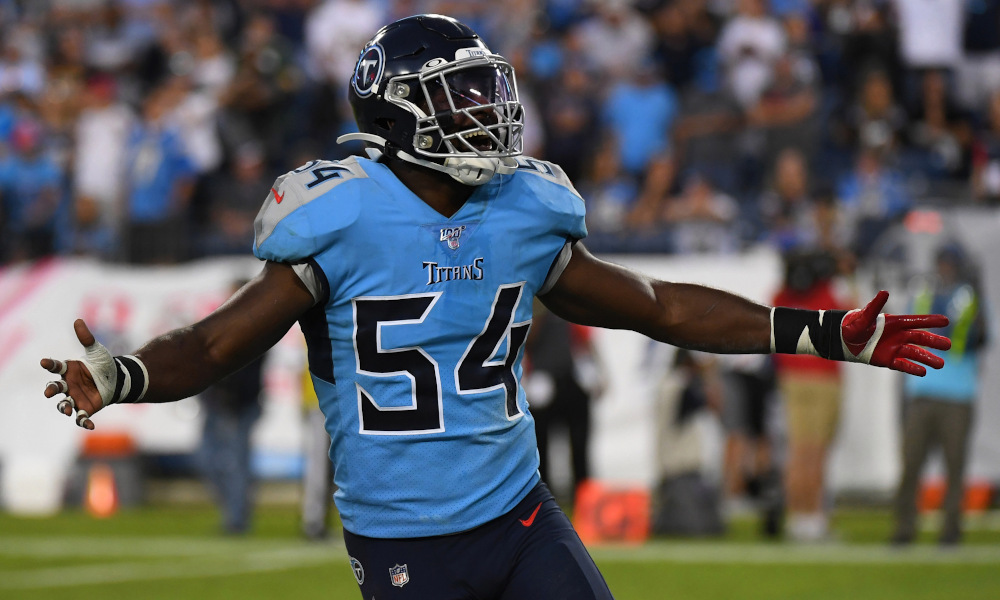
(184, 362)
(697, 317)
(188, 360)
(601, 294)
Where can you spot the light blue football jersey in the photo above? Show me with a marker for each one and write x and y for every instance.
(415, 349)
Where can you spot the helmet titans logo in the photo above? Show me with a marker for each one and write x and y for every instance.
(368, 72)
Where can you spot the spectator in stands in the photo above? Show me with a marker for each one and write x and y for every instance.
(833, 231)
(616, 35)
(874, 196)
(702, 219)
(939, 408)
(159, 178)
(19, 72)
(144, 18)
(192, 112)
(259, 102)
(784, 114)
(750, 44)
(611, 192)
(743, 82)
(59, 102)
(108, 45)
(334, 31)
(676, 44)
(986, 157)
(67, 57)
(930, 34)
(571, 121)
(709, 125)
(213, 65)
(868, 40)
(938, 131)
(978, 73)
(534, 134)
(99, 154)
(787, 206)
(875, 119)
(640, 112)
(30, 196)
(626, 212)
(234, 197)
(803, 214)
(811, 392)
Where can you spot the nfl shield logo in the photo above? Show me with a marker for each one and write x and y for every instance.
(400, 576)
(452, 235)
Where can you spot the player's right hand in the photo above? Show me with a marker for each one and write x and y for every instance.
(897, 342)
(77, 382)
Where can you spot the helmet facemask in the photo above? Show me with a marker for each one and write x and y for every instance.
(469, 122)
(470, 109)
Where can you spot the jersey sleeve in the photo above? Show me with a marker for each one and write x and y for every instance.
(306, 209)
(562, 204)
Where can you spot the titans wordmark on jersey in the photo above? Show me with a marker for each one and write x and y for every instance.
(416, 341)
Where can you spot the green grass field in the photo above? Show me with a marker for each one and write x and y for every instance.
(174, 552)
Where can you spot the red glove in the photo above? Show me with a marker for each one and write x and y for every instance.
(892, 341)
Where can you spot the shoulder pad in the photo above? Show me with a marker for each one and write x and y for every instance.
(300, 215)
(299, 187)
(561, 205)
(546, 170)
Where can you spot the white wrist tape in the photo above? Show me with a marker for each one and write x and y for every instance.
(119, 379)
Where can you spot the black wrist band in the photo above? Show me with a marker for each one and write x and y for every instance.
(132, 380)
(823, 327)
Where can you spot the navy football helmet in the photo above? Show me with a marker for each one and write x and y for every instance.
(427, 90)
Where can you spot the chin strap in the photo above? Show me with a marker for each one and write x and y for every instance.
(373, 153)
(468, 171)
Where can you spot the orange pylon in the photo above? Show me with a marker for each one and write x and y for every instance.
(102, 491)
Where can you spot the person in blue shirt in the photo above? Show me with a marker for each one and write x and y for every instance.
(640, 111)
(873, 196)
(939, 408)
(31, 194)
(412, 274)
(159, 177)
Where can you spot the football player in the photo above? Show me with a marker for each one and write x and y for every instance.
(412, 274)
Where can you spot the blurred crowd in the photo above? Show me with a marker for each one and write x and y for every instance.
(147, 131)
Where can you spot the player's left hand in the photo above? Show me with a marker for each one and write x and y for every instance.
(82, 393)
(893, 341)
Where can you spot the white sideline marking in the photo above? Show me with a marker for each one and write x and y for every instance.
(187, 558)
(42, 546)
(190, 559)
(791, 554)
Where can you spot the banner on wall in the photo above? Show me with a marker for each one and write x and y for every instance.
(126, 306)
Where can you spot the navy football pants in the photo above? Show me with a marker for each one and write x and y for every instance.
(530, 553)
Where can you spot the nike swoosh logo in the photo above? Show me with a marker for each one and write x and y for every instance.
(527, 522)
(277, 197)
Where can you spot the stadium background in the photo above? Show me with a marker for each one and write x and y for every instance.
(138, 138)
